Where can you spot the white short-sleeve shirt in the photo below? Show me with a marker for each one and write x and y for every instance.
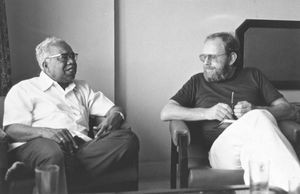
(41, 102)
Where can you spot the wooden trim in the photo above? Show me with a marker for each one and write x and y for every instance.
(174, 161)
(255, 23)
(182, 160)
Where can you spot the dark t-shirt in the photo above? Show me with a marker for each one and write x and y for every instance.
(248, 84)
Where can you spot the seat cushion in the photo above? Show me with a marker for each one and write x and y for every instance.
(214, 177)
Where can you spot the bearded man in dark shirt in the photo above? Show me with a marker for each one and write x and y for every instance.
(226, 91)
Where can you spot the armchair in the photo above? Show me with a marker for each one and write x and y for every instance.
(188, 154)
(189, 157)
(121, 179)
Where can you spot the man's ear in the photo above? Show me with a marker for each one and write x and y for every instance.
(233, 57)
(45, 65)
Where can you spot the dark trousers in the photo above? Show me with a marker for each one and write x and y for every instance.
(90, 161)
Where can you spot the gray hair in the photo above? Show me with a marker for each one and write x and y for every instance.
(41, 50)
(231, 43)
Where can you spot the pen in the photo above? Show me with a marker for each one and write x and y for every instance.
(232, 96)
(232, 104)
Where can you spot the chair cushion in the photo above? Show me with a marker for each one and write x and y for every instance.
(197, 157)
(296, 111)
(291, 130)
(214, 177)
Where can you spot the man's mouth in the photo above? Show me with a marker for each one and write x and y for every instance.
(70, 70)
(209, 68)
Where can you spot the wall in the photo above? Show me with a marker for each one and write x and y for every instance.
(87, 27)
(159, 41)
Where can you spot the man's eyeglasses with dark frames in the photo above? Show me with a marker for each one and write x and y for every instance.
(203, 57)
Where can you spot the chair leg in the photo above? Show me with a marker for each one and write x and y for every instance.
(174, 159)
(183, 160)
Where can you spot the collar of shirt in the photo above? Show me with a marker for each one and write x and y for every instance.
(46, 82)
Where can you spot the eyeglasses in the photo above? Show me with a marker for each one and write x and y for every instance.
(203, 57)
(64, 57)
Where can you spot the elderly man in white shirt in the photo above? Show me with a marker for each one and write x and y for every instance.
(48, 118)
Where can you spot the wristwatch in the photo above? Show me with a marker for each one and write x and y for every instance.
(121, 114)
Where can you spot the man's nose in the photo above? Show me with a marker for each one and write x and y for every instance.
(207, 60)
(71, 60)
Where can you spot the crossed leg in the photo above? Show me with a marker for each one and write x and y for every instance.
(117, 149)
(256, 133)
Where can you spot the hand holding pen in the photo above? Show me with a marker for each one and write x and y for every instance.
(219, 112)
(242, 108)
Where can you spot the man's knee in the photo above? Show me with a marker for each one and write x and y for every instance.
(130, 149)
(46, 151)
(259, 113)
(132, 142)
(129, 139)
(129, 144)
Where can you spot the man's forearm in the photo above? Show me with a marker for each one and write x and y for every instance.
(173, 111)
(23, 133)
(116, 116)
(280, 111)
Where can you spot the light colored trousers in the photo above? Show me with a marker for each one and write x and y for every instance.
(256, 133)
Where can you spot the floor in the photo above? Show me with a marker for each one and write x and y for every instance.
(154, 175)
(158, 183)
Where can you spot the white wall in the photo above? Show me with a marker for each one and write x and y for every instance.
(159, 41)
(88, 26)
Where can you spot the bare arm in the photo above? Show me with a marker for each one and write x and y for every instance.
(279, 108)
(115, 116)
(23, 133)
(174, 111)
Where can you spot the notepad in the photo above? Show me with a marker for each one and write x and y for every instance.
(225, 123)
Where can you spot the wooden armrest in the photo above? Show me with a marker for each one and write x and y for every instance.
(180, 140)
(178, 127)
(291, 130)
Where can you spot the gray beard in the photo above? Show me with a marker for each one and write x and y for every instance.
(218, 75)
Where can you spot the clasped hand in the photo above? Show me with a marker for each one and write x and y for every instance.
(103, 129)
(110, 123)
(223, 111)
(242, 108)
(63, 137)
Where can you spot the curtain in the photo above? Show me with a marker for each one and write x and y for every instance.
(5, 66)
